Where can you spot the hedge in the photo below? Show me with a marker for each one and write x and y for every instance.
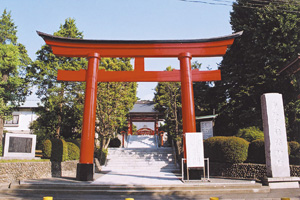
(59, 150)
(256, 151)
(47, 148)
(73, 151)
(226, 149)
(294, 153)
(77, 142)
(1, 150)
(250, 134)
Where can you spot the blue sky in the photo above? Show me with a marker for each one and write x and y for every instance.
(123, 20)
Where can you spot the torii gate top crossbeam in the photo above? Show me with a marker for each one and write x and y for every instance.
(70, 47)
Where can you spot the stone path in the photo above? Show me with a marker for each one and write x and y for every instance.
(141, 141)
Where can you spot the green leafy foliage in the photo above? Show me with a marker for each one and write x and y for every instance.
(294, 147)
(256, 151)
(47, 149)
(1, 149)
(13, 61)
(168, 101)
(295, 153)
(114, 101)
(59, 151)
(77, 141)
(62, 102)
(250, 133)
(226, 149)
(250, 66)
(73, 151)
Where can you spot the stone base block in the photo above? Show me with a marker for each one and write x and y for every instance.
(282, 182)
(85, 172)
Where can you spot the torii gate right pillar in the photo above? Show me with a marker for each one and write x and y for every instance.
(187, 96)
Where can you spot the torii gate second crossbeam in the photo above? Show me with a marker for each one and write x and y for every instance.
(184, 50)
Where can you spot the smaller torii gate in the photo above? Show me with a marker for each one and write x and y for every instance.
(93, 50)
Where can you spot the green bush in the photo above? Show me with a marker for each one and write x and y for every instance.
(73, 151)
(226, 149)
(294, 147)
(59, 150)
(115, 142)
(294, 153)
(250, 134)
(213, 148)
(256, 151)
(0, 150)
(47, 148)
(77, 142)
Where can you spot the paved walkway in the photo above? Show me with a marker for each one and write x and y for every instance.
(137, 178)
(141, 141)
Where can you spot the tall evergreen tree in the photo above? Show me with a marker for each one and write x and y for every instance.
(62, 102)
(114, 101)
(249, 69)
(168, 100)
(13, 61)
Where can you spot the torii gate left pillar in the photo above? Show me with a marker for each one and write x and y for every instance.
(86, 162)
(93, 49)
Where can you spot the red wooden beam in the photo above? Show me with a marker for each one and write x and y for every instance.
(139, 76)
(71, 47)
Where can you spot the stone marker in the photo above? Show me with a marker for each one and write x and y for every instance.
(276, 149)
(19, 146)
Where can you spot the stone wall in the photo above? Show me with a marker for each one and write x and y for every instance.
(245, 170)
(34, 170)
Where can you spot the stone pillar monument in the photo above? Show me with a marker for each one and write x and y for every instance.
(276, 149)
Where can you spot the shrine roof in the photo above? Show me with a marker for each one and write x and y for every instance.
(46, 36)
(143, 107)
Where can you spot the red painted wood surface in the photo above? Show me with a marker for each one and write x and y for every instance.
(139, 76)
(89, 114)
(165, 48)
(187, 96)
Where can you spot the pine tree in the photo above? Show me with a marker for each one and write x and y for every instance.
(13, 61)
(62, 102)
(114, 101)
(168, 100)
(249, 69)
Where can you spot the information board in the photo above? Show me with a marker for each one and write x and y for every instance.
(207, 129)
(194, 149)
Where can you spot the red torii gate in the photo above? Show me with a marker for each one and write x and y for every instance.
(184, 50)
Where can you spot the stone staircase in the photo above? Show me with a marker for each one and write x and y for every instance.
(140, 160)
(142, 155)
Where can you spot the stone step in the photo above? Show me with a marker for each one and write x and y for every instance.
(169, 149)
(135, 162)
(138, 161)
(140, 155)
(115, 189)
(142, 165)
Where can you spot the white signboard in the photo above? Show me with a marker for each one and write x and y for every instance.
(207, 129)
(194, 150)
